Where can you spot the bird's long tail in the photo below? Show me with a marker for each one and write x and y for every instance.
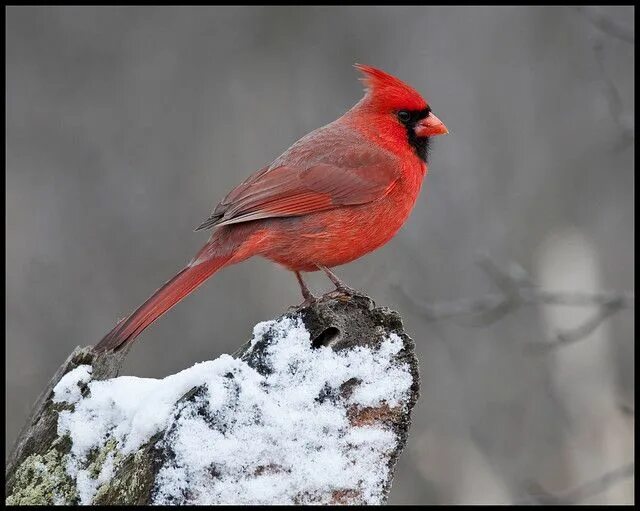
(187, 280)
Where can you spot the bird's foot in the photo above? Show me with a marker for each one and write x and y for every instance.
(342, 293)
(308, 302)
(342, 290)
(309, 298)
(346, 290)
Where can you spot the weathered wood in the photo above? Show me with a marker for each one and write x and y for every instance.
(36, 467)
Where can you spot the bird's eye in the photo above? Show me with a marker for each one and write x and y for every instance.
(404, 116)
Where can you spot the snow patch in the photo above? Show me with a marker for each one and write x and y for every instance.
(67, 390)
(86, 484)
(281, 435)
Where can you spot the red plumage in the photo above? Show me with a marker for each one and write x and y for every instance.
(338, 193)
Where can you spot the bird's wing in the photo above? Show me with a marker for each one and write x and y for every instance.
(347, 175)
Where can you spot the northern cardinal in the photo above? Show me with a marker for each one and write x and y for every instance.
(336, 194)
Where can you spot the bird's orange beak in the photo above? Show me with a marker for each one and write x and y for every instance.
(430, 126)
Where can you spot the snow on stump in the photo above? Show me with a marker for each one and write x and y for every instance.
(315, 409)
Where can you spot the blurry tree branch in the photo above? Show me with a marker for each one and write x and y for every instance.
(614, 101)
(577, 495)
(606, 24)
(516, 290)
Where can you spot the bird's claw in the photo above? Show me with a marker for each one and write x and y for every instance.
(343, 293)
(346, 290)
(308, 302)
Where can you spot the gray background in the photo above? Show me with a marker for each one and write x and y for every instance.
(125, 126)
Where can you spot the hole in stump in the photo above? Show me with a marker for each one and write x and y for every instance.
(326, 337)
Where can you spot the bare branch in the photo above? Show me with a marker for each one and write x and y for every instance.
(576, 334)
(607, 24)
(516, 291)
(614, 101)
(583, 492)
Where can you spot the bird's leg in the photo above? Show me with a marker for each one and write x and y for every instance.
(306, 294)
(340, 286)
(309, 298)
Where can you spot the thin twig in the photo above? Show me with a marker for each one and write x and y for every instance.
(584, 491)
(607, 24)
(576, 334)
(614, 100)
(516, 291)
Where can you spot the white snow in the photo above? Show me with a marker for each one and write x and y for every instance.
(86, 485)
(67, 390)
(262, 439)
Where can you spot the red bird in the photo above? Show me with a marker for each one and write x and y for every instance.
(338, 193)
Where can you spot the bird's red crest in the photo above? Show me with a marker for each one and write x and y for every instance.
(388, 91)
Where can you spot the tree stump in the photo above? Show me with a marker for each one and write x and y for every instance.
(315, 408)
